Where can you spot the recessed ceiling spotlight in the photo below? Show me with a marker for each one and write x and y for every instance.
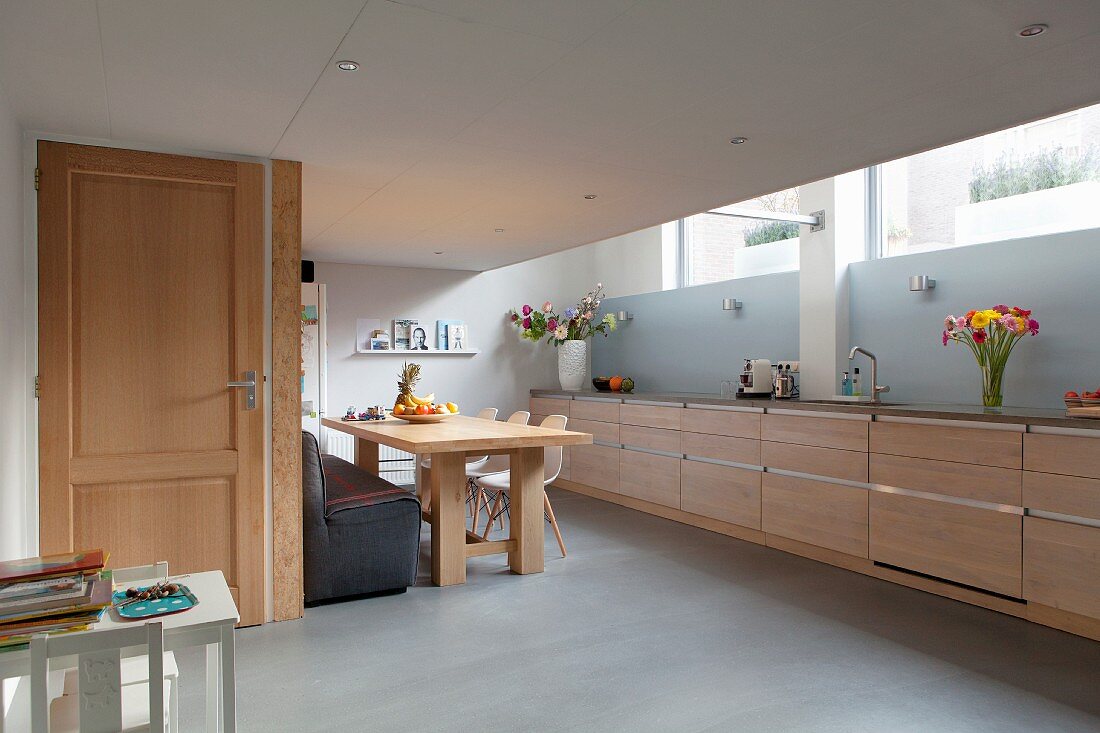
(590, 196)
(439, 252)
(347, 65)
(739, 140)
(498, 231)
(1032, 30)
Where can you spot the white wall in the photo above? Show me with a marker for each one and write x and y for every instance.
(13, 322)
(507, 367)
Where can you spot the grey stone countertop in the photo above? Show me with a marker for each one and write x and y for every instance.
(1013, 415)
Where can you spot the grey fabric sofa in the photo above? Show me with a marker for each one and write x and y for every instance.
(361, 532)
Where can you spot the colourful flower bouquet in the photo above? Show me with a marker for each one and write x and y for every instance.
(991, 334)
(577, 323)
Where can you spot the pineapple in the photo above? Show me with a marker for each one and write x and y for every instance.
(410, 375)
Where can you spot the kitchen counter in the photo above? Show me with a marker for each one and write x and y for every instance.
(933, 411)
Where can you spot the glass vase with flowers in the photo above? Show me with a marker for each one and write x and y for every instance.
(991, 335)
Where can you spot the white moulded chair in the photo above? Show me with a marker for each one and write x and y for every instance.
(102, 703)
(499, 484)
(490, 465)
(485, 413)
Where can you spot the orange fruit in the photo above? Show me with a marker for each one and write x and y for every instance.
(452, 407)
(399, 409)
(616, 383)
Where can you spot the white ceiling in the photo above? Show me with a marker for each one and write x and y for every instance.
(471, 115)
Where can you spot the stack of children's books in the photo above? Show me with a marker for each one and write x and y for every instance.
(52, 595)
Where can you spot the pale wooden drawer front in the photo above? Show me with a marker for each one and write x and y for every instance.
(843, 464)
(602, 432)
(1078, 497)
(721, 448)
(1063, 454)
(1062, 565)
(978, 547)
(595, 465)
(822, 432)
(603, 411)
(537, 420)
(651, 438)
(550, 406)
(650, 477)
(721, 492)
(721, 422)
(962, 445)
(650, 416)
(966, 481)
(814, 512)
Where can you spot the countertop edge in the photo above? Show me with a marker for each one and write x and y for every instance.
(928, 411)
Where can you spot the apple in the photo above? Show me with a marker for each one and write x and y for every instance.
(1071, 393)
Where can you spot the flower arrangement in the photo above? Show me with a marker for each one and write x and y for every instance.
(991, 334)
(575, 323)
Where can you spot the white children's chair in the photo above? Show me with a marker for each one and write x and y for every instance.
(102, 702)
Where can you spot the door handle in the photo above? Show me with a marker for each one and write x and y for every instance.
(249, 384)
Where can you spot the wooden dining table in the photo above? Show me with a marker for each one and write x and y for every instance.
(450, 443)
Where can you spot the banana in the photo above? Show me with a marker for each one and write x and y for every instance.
(409, 401)
(429, 399)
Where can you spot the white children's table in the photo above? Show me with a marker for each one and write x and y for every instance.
(209, 624)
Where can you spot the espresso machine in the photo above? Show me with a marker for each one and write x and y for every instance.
(756, 379)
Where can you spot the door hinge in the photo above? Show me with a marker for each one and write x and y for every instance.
(37, 177)
(37, 388)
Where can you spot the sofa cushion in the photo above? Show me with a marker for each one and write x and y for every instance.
(347, 487)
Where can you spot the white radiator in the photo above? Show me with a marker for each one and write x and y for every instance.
(393, 465)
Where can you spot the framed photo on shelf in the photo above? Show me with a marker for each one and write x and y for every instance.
(366, 330)
(419, 338)
(402, 333)
(457, 336)
(381, 343)
(441, 334)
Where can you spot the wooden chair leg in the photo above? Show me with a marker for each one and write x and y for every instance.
(553, 522)
(478, 495)
(495, 512)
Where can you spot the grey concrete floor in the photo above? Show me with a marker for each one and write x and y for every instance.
(650, 625)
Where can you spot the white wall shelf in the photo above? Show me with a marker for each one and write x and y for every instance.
(417, 352)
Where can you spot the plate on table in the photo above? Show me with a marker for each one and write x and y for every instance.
(179, 601)
(433, 417)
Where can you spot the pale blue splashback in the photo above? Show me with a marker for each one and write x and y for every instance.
(682, 340)
(1058, 276)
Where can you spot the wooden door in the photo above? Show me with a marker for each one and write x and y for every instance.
(150, 301)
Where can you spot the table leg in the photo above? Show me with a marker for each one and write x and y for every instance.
(448, 477)
(527, 492)
(213, 688)
(366, 455)
(228, 678)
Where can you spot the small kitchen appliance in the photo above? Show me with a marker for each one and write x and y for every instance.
(756, 379)
(784, 384)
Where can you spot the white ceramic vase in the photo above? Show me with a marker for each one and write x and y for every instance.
(572, 364)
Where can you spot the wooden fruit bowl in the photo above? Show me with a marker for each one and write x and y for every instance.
(434, 417)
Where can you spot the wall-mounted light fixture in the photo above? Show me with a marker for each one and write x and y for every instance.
(918, 283)
(624, 316)
(731, 304)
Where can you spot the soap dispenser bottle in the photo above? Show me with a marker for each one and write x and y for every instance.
(857, 383)
(845, 385)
